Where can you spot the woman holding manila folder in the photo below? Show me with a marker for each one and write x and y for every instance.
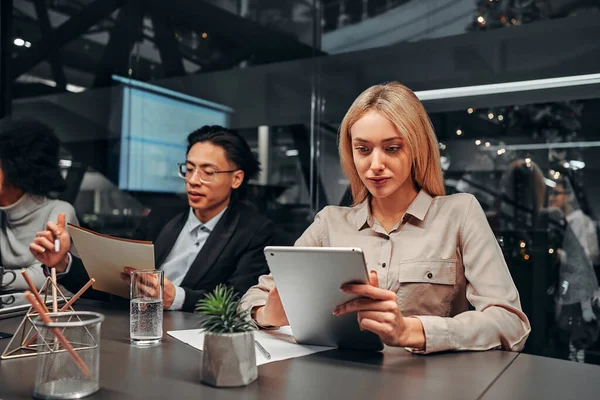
(429, 255)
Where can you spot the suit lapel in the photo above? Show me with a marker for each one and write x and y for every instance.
(213, 247)
(167, 238)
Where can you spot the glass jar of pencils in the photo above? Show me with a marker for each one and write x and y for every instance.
(68, 354)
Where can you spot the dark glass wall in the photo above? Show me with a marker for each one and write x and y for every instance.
(124, 81)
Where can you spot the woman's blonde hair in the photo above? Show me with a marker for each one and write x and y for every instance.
(403, 109)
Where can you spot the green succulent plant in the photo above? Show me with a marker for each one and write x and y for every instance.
(219, 312)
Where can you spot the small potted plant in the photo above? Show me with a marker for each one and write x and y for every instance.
(228, 358)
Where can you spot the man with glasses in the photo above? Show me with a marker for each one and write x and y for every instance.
(220, 239)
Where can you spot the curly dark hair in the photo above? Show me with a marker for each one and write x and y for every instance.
(236, 149)
(29, 153)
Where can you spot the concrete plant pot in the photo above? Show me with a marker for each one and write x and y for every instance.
(228, 359)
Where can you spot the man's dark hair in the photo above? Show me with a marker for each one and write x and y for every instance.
(29, 153)
(236, 149)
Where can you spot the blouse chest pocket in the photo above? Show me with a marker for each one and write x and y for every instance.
(427, 287)
(442, 272)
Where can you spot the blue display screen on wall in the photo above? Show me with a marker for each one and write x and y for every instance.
(155, 125)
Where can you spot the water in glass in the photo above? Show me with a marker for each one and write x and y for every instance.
(145, 322)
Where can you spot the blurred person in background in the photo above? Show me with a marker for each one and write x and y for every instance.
(29, 176)
(577, 284)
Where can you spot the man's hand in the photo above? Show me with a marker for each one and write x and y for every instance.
(151, 287)
(272, 313)
(42, 246)
(378, 312)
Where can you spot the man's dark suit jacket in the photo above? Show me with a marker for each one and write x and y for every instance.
(232, 254)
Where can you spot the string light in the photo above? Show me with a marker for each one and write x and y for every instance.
(501, 151)
(550, 251)
(458, 132)
(478, 142)
(491, 116)
(522, 244)
(487, 144)
(526, 257)
(470, 110)
(204, 35)
(500, 117)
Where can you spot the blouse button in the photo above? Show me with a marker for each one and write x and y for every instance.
(429, 275)
(383, 265)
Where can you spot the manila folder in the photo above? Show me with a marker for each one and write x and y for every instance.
(105, 256)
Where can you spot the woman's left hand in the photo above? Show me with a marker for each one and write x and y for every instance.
(378, 312)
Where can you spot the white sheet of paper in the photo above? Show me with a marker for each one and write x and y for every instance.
(105, 256)
(280, 343)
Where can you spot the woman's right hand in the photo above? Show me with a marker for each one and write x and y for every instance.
(272, 313)
(42, 246)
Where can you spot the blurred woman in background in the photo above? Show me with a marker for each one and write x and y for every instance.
(29, 176)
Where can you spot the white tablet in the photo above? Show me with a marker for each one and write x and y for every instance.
(308, 280)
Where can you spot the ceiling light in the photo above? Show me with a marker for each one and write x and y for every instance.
(508, 87)
(550, 182)
(576, 164)
(545, 146)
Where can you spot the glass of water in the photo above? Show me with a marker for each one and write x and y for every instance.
(146, 307)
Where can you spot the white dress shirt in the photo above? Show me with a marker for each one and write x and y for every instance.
(585, 231)
(190, 241)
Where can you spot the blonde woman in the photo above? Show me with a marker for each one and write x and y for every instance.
(429, 255)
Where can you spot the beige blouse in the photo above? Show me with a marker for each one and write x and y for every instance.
(439, 258)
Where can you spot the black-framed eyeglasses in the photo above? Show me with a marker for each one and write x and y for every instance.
(206, 175)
